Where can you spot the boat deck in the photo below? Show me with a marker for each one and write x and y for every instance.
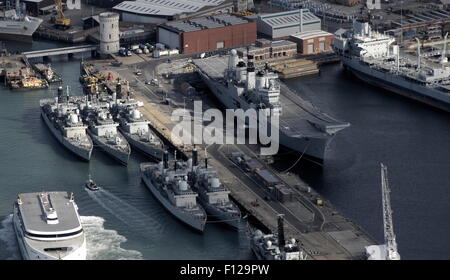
(33, 215)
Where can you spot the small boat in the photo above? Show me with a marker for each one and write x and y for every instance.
(91, 185)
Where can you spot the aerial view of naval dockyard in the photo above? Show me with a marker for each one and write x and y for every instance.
(225, 130)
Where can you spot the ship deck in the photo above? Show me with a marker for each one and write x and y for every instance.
(299, 117)
(33, 216)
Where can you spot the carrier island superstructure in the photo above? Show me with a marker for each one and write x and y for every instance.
(237, 85)
(373, 57)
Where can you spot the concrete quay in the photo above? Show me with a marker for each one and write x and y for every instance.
(324, 233)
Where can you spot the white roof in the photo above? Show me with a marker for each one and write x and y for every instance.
(288, 18)
(165, 7)
(311, 34)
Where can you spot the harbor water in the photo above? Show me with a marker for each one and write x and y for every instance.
(124, 221)
(412, 139)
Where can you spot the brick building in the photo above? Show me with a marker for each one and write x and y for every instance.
(210, 33)
(313, 42)
(266, 49)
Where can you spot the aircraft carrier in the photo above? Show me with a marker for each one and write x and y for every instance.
(373, 57)
(15, 25)
(302, 127)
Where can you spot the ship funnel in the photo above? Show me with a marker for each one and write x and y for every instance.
(166, 160)
(175, 162)
(114, 97)
(281, 240)
(119, 90)
(60, 94)
(194, 157)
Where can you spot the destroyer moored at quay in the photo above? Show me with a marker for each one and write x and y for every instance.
(373, 57)
(170, 185)
(302, 127)
(212, 194)
(64, 121)
(48, 227)
(135, 128)
(103, 131)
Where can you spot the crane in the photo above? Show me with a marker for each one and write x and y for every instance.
(389, 236)
(388, 250)
(61, 21)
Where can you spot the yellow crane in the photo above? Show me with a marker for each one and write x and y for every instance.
(61, 21)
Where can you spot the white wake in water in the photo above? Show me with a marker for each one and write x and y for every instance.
(8, 236)
(102, 244)
(128, 214)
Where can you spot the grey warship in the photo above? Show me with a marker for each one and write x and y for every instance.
(103, 131)
(274, 246)
(63, 119)
(302, 127)
(169, 184)
(135, 128)
(212, 194)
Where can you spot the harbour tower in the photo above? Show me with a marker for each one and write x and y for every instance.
(109, 33)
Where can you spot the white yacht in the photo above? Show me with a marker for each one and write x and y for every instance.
(48, 226)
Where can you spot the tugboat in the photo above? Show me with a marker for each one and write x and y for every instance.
(91, 185)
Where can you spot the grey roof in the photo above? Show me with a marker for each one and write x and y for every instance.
(209, 22)
(288, 18)
(165, 7)
(267, 176)
(33, 215)
(425, 17)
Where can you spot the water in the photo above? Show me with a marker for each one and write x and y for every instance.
(123, 220)
(412, 139)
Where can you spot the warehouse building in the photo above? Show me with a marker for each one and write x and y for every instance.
(265, 49)
(313, 42)
(210, 33)
(282, 25)
(160, 11)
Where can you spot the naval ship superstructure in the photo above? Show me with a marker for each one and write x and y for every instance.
(212, 194)
(48, 227)
(103, 130)
(62, 117)
(274, 246)
(168, 182)
(135, 128)
(373, 57)
(235, 83)
(15, 24)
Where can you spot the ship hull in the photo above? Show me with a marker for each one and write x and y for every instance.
(398, 85)
(19, 30)
(120, 156)
(312, 148)
(84, 154)
(29, 253)
(148, 150)
(233, 222)
(196, 224)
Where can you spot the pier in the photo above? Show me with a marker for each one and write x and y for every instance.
(324, 233)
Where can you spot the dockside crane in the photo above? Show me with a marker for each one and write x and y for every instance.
(389, 236)
(60, 20)
(388, 250)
